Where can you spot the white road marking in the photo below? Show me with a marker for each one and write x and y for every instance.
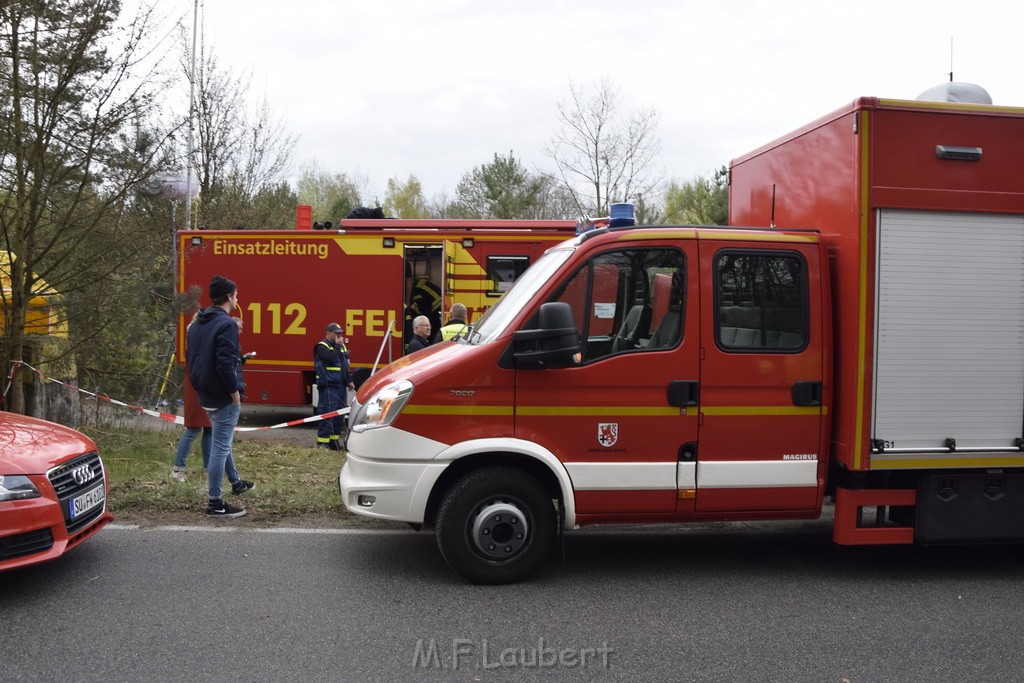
(273, 530)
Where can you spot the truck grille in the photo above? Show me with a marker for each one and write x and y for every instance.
(73, 478)
(19, 545)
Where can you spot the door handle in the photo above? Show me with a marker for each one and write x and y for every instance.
(683, 393)
(807, 393)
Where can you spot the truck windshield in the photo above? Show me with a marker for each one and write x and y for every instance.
(498, 316)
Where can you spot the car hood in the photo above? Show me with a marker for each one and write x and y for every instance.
(32, 446)
(427, 362)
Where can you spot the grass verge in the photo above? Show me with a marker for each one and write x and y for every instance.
(290, 481)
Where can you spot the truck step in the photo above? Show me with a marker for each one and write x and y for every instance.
(846, 529)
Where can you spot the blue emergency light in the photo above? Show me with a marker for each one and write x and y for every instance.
(621, 215)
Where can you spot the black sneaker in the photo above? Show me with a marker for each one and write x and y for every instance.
(218, 508)
(241, 486)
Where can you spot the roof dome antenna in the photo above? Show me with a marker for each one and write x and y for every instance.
(967, 93)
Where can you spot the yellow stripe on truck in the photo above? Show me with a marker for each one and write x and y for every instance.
(612, 411)
(731, 411)
(603, 411)
(911, 462)
(457, 410)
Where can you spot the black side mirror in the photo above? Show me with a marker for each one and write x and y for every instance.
(554, 344)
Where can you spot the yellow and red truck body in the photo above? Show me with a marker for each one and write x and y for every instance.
(292, 283)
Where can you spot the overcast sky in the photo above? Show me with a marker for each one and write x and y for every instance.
(389, 88)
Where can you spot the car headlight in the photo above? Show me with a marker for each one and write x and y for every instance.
(381, 409)
(17, 487)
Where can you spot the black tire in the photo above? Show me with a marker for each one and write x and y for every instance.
(496, 525)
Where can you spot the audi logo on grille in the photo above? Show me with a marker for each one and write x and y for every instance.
(82, 474)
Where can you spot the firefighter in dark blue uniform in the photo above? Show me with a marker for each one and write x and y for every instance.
(333, 378)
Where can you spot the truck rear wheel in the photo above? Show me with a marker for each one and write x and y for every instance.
(496, 525)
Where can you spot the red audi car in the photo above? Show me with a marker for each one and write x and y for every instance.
(53, 490)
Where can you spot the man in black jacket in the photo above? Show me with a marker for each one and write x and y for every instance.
(420, 334)
(212, 356)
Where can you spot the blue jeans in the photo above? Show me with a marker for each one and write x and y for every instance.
(185, 445)
(329, 430)
(222, 461)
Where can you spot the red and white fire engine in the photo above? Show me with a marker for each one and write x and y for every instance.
(866, 344)
(360, 274)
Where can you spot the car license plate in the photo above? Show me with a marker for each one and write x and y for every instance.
(87, 501)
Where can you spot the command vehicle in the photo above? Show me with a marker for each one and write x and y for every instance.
(360, 274)
(53, 490)
(866, 344)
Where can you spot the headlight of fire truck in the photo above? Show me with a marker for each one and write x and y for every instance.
(381, 409)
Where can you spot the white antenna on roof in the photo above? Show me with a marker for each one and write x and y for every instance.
(951, 59)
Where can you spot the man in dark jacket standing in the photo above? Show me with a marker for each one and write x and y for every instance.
(212, 356)
(333, 379)
(420, 334)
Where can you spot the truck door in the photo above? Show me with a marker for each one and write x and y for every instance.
(622, 418)
(425, 276)
(760, 445)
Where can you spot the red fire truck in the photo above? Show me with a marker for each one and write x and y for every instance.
(868, 345)
(292, 283)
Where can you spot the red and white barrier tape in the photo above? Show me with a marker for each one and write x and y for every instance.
(167, 417)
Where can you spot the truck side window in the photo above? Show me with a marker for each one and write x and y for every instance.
(761, 300)
(628, 301)
(502, 271)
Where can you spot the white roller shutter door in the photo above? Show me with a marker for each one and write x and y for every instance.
(949, 333)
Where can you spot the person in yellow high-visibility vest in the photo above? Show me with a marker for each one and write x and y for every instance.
(456, 322)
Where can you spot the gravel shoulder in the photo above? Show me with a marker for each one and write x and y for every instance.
(254, 520)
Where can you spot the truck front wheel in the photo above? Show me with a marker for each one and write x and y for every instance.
(496, 525)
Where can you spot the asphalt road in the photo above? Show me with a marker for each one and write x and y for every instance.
(734, 602)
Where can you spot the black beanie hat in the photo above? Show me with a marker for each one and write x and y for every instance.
(221, 287)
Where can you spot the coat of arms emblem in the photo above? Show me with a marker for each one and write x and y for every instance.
(607, 433)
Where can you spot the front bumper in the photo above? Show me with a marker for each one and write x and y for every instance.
(34, 530)
(398, 479)
(399, 491)
(67, 512)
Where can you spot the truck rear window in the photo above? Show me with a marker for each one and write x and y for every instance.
(762, 301)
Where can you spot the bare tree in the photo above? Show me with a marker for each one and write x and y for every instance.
(555, 201)
(79, 98)
(600, 157)
(242, 151)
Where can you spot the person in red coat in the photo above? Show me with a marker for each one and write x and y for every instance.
(196, 422)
